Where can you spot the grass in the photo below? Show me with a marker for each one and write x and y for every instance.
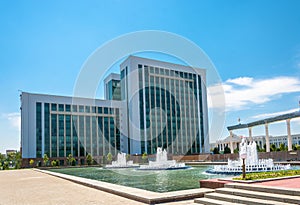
(267, 175)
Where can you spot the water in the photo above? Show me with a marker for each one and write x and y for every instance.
(157, 181)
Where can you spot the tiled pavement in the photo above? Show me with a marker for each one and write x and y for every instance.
(287, 183)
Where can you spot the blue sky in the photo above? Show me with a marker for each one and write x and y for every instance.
(255, 46)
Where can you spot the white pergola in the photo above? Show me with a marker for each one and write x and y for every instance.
(266, 122)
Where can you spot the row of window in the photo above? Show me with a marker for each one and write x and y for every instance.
(78, 135)
(168, 72)
(81, 108)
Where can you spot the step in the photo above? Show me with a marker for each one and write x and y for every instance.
(269, 189)
(260, 195)
(208, 201)
(241, 199)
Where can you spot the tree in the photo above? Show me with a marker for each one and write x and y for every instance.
(2, 157)
(31, 162)
(89, 159)
(53, 163)
(18, 160)
(227, 150)
(260, 149)
(71, 160)
(14, 159)
(104, 159)
(216, 150)
(45, 160)
(144, 157)
(298, 147)
(273, 148)
(109, 157)
(282, 147)
(5, 165)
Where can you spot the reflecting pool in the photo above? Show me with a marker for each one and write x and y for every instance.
(157, 181)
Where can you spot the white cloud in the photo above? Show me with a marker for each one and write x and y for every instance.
(14, 119)
(243, 92)
(241, 81)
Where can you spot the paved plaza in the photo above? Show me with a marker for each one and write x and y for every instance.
(285, 183)
(29, 187)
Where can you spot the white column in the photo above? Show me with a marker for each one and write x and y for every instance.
(231, 146)
(250, 134)
(267, 138)
(289, 136)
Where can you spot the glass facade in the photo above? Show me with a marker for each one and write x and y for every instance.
(163, 107)
(47, 128)
(168, 110)
(38, 129)
(78, 132)
(113, 90)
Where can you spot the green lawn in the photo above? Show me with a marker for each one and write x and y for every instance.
(267, 175)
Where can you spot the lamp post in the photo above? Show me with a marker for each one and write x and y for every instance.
(244, 156)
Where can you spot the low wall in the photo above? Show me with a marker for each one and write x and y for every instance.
(276, 156)
(191, 158)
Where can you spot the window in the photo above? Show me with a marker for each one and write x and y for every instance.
(74, 108)
(105, 110)
(47, 129)
(53, 107)
(61, 135)
(54, 135)
(68, 108)
(75, 136)
(38, 129)
(81, 108)
(93, 109)
(61, 107)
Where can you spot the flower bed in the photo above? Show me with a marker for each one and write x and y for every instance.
(266, 175)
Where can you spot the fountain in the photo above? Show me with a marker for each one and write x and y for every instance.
(121, 163)
(162, 163)
(253, 164)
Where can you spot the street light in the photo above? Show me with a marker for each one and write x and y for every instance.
(244, 156)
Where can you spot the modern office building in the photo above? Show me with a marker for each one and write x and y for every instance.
(150, 104)
(55, 126)
(166, 106)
